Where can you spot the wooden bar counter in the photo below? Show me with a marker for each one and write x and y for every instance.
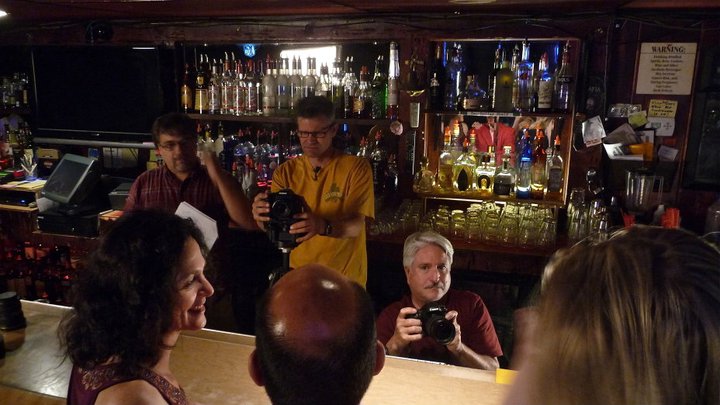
(212, 368)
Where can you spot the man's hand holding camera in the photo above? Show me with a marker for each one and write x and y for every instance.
(300, 220)
(432, 320)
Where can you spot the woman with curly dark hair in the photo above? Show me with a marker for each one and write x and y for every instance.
(141, 287)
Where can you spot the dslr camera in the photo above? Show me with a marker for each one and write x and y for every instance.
(283, 206)
(434, 324)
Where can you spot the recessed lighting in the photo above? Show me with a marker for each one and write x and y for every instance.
(3, 13)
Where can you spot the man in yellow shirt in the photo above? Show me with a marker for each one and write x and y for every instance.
(338, 192)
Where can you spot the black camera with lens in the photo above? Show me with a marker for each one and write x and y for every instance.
(284, 205)
(434, 324)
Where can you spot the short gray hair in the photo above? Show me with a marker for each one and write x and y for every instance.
(419, 240)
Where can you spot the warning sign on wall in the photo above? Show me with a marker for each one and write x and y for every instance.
(666, 68)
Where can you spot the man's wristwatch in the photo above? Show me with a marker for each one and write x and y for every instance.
(328, 228)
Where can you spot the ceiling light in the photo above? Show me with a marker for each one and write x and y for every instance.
(3, 13)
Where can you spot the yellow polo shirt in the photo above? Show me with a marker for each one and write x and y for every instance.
(341, 188)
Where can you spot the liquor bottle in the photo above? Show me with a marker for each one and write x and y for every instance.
(503, 88)
(524, 176)
(554, 173)
(378, 89)
(539, 163)
(391, 176)
(546, 84)
(497, 64)
(309, 84)
(378, 161)
(296, 89)
(239, 90)
(485, 172)
(464, 168)
(338, 90)
(437, 78)
(350, 88)
(227, 88)
(253, 82)
(524, 75)
(201, 89)
(424, 181)
(324, 86)
(186, 91)
(362, 147)
(455, 75)
(514, 62)
(214, 88)
(446, 160)
(393, 82)
(504, 181)
(361, 101)
(269, 90)
(283, 88)
(474, 97)
(563, 94)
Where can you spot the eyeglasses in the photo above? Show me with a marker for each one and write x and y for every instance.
(170, 146)
(317, 134)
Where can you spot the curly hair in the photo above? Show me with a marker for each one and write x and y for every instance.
(630, 320)
(123, 298)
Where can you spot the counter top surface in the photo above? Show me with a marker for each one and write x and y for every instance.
(212, 368)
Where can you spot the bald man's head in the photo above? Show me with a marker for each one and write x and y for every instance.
(316, 338)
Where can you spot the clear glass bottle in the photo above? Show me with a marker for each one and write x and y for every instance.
(282, 82)
(484, 173)
(546, 83)
(214, 88)
(474, 97)
(239, 90)
(464, 168)
(554, 173)
(446, 160)
(338, 90)
(563, 94)
(227, 88)
(524, 76)
(309, 83)
(505, 176)
(424, 181)
(350, 88)
(539, 163)
(524, 176)
(361, 102)
(296, 89)
(393, 82)
(324, 87)
(269, 90)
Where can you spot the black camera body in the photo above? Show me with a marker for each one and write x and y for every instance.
(284, 205)
(434, 324)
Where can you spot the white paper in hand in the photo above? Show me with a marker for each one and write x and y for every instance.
(207, 225)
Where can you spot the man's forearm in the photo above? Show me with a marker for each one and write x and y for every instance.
(466, 357)
(236, 204)
(349, 227)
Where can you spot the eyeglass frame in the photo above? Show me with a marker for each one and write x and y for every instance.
(316, 134)
(170, 146)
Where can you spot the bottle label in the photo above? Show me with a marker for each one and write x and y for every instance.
(484, 182)
(555, 180)
(545, 94)
(503, 189)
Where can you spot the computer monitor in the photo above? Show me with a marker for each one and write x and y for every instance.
(72, 179)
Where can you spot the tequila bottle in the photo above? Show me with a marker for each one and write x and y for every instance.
(485, 172)
(504, 184)
(446, 160)
(538, 176)
(464, 168)
(424, 178)
(555, 179)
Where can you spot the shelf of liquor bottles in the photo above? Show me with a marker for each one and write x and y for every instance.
(276, 119)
